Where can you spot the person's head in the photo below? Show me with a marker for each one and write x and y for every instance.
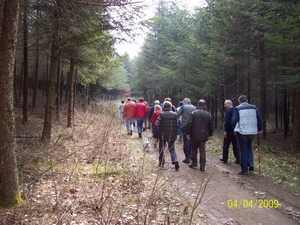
(122, 101)
(228, 104)
(157, 107)
(243, 98)
(180, 103)
(141, 99)
(186, 101)
(129, 99)
(167, 105)
(202, 103)
(156, 102)
(168, 99)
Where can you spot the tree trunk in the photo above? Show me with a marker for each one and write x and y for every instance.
(35, 75)
(70, 99)
(9, 190)
(263, 85)
(296, 130)
(58, 91)
(37, 57)
(25, 69)
(46, 135)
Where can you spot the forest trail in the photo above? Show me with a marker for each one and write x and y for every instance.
(229, 198)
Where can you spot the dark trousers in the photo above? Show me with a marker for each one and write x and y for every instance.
(162, 146)
(230, 139)
(194, 153)
(186, 144)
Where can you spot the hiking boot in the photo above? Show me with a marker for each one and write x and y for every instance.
(161, 164)
(144, 129)
(222, 160)
(236, 162)
(202, 167)
(187, 160)
(176, 165)
(131, 133)
(140, 135)
(251, 168)
(193, 165)
(154, 146)
(241, 173)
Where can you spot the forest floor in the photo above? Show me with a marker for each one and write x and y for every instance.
(234, 199)
(94, 173)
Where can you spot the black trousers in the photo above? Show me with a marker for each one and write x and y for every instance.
(230, 138)
(195, 145)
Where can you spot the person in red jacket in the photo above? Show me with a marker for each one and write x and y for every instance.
(157, 111)
(128, 114)
(140, 113)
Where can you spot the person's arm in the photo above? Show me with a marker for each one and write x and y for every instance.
(157, 122)
(180, 111)
(235, 117)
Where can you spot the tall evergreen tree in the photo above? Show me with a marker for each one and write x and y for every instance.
(9, 189)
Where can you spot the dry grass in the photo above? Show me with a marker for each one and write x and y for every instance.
(93, 174)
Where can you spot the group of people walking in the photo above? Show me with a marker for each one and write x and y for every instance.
(194, 124)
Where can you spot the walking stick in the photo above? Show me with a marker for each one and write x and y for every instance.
(258, 149)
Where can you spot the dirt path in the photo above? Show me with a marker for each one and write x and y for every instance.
(229, 198)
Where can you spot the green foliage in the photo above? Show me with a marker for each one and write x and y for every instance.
(218, 44)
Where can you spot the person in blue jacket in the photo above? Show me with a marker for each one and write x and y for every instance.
(229, 135)
(247, 122)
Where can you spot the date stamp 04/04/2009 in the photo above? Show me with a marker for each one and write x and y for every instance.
(252, 204)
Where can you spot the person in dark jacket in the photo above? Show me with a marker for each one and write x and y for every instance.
(199, 130)
(167, 133)
(229, 135)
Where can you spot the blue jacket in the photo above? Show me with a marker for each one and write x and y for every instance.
(227, 120)
(246, 119)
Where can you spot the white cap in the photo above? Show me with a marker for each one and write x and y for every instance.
(156, 102)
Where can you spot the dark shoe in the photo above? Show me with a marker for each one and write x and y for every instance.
(193, 165)
(176, 165)
(128, 134)
(140, 135)
(221, 159)
(187, 160)
(251, 168)
(241, 173)
(155, 146)
(131, 133)
(202, 169)
(236, 162)
(161, 164)
(144, 129)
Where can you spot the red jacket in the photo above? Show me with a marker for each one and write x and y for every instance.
(129, 110)
(141, 110)
(155, 116)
